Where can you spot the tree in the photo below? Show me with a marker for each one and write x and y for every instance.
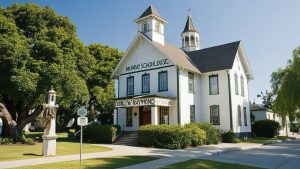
(101, 87)
(38, 48)
(286, 87)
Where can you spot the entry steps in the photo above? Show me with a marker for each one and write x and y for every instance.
(128, 138)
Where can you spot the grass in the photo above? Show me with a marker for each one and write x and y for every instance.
(63, 147)
(263, 140)
(207, 164)
(99, 163)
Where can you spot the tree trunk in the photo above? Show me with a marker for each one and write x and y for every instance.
(8, 123)
(286, 128)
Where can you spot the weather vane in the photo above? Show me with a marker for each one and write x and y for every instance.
(189, 10)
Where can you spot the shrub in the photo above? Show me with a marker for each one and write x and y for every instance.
(26, 140)
(35, 136)
(5, 140)
(212, 134)
(266, 128)
(164, 136)
(197, 135)
(229, 137)
(97, 133)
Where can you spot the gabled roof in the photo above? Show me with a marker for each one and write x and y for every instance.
(215, 58)
(151, 10)
(189, 26)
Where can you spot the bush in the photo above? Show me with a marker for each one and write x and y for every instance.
(229, 137)
(5, 140)
(197, 135)
(35, 136)
(266, 128)
(97, 133)
(212, 134)
(164, 136)
(26, 140)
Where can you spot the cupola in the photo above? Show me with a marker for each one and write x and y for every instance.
(190, 37)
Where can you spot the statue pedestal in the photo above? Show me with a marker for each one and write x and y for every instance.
(49, 145)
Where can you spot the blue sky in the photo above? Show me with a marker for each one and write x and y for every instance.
(269, 29)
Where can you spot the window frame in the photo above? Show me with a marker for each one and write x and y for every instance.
(192, 107)
(236, 84)
(239, 118)
(146, 74)
(127, 117)
(130, 94)
(159, 87)
(245, 116)
(193, 82)
(211, 120)
(162, 113)
(210, 89)
(242, 86)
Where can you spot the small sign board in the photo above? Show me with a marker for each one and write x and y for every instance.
(82, 111)
(82, 121)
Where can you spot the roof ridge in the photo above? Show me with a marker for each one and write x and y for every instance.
(239, 41)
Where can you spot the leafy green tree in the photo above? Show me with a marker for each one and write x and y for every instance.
(100, 85)
(39, 48)
(286, 87)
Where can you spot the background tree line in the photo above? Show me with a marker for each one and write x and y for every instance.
(39, 48)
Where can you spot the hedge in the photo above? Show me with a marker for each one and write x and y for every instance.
(170, 136)
(212, 134)
(266, 128)
(229, 137)
(96, 133)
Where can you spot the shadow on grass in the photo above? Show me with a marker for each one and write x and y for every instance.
(31, 154)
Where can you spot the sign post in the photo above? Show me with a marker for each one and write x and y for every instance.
(81, 121)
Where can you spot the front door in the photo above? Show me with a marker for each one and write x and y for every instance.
(145, 115)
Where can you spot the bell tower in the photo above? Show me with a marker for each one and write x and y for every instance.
(190, 36)
(151, 24)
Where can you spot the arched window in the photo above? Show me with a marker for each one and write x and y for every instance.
(236, 84)
(157, 27)
(145, 27)
(239, 115)
(182, 42)
(197, 42)
(186, 41)
(52, 98)
(192, 40)
(242, 86)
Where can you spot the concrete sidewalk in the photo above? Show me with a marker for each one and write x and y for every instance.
(166, 156)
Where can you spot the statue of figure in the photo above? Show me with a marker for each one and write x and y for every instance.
(49, 113)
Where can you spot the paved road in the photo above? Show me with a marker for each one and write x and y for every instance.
(285, 155)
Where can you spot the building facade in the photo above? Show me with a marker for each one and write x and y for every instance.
(158, 83)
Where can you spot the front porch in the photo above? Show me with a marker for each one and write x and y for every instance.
(132, 112)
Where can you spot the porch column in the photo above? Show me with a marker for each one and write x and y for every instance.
(154, 115)
(115, 116)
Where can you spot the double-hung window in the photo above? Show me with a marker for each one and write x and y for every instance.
(213, 85)
(245, 116)
(191, 82)
(239, 116)
(146, 83)
(164, 115)
(242, 86)
(162, 81)
(130, 85)
(129, 116)
(236, 84)
(214, 115)
(192, 113)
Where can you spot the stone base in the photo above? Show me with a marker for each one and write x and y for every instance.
(49, 145)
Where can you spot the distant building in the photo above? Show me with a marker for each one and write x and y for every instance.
(159, 83)
(261, 113)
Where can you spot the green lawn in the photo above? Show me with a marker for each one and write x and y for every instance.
(64, 146)
(206, 164)
(265, 140)
(99, 163)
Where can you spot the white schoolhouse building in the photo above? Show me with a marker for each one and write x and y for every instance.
(159, 83)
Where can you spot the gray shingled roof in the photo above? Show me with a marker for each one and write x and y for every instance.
(258, 107)
(214, 58)
(150, 10)
(189, 26)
